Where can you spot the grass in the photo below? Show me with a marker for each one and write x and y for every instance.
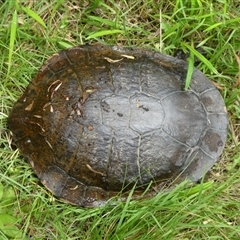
(31, 31)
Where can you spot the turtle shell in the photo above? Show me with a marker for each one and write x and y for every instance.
(97, 120)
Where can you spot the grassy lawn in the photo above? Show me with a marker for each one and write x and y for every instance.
(31, 31)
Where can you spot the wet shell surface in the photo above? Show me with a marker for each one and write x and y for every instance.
(97, 120)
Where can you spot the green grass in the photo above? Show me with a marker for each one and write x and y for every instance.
(31, 31)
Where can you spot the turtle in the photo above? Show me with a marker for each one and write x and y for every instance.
(98, 120)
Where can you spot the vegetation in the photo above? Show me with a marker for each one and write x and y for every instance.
(204, 30)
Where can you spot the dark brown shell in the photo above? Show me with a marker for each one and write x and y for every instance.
(97, 119)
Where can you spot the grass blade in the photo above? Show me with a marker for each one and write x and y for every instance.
(34, 15)
(13, 31)
(190, 70)
(104, 33)
(201, 57)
